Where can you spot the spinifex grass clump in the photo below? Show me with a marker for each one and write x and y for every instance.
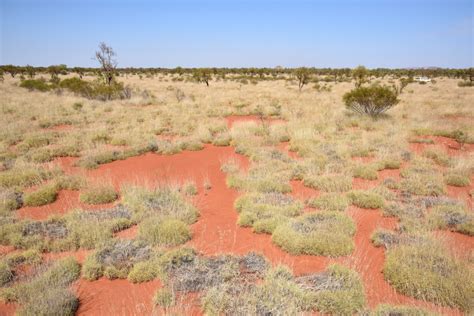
(330, 202)
(337, 290)
(329, 183)
(98, 194)
(453, 217)
(264, 211)
(164, 232)
(47, 293)
(115, 259)
(366, 199)
(427, 272)
(422, 179)
(324, 233)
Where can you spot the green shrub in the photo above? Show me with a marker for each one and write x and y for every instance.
(366, 199)
(33, 84)
(457, 179)
(164, 232)
(44, 195)
(373, 100)
(426, 272)
(98, 194)
(330, 202)
(321, 234)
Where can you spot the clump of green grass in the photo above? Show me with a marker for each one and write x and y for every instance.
(164, 232)
(366, 199)
(454, 217)
(98, 194)
(71, 182)
(46, 194)
(329, 183)
(366, 172)
(457, 179)
(265, 211)
(330, 202)
(47, 293)
(324, 234)
(425, 271)
(190, 188)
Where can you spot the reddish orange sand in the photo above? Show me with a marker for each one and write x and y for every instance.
(217, 231)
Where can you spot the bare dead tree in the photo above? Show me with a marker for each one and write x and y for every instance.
(105, 56)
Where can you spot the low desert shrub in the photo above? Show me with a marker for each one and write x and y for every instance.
(321, 234)
(36, 84)
(373, 100)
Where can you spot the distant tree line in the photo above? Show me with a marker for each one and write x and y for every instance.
(203, 74)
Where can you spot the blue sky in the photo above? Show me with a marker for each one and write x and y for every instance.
(245, 33)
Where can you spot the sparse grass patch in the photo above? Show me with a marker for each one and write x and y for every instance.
(321, 234)
(391, 310)
(439, 156)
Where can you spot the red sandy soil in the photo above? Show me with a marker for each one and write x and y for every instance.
(115, 297)
(452, 147)
(231, 119)
(217, 232)
(129, 233)
(61, 127)
(66, 201)
(462, 193)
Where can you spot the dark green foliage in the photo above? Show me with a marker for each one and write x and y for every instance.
(372, 101)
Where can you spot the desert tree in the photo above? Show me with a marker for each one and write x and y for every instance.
(303, 75)
(12, 70)
(373, 100)
(30, 71)
(360, 75)
(105, 56)
(202, 75)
